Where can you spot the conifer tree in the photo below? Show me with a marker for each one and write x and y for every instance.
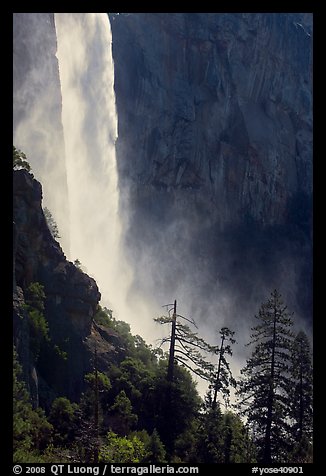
(53, 227)
(186, 347)
(32, 432)
(20, 160)
(222, 378)
(301, 397)
(38, 325)
(263, 389)
(122, 410)
(156, 448)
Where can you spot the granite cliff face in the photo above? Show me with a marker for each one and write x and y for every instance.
(215, 147)
(71, 301)
(216, 105)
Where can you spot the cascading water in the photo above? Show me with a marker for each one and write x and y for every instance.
(90, 131)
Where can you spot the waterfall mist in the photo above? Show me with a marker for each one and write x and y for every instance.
(90, 131)
(37, 127)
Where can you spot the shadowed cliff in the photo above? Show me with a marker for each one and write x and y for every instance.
(71, 299)
(215, 156)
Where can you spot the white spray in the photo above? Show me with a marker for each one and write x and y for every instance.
(90, 131)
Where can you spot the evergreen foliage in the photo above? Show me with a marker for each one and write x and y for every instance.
(63, 418)
(38, 326)
(20, 160)
(186, 347)
(53, 227)
(133, 413)
(156, 449)
(32, 433)
(104, 316)
(122, 414)
(122, 449)
(301, 399)
(221, 378)
(265, 384)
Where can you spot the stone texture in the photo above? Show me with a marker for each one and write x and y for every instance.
(215, 150)
(71, 301)
(216, 102)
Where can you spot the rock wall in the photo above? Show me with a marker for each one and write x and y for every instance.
(71, 301)
(216, 103)
(215, 150)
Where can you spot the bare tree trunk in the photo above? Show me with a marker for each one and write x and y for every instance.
(172, 344)
(217, 382)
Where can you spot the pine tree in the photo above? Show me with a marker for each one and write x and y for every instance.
(122, 416)
(62, 417)
(186, 347)
(89, 416)
(236, 440)
(222, 378)
(32, 433)
(301, 397)
(38, 325)
(174, 405)
(263, 389)
(209, 438)
(157, 453)
(20, 160)
(53, 227)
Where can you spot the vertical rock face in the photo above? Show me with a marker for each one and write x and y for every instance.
(219, 103)
(37, 126)
(71, 299)
(215, 147)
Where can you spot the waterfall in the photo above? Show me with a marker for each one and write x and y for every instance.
(84, 52)
(90, 131)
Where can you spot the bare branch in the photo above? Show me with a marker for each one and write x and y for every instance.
(189, 320)
(195, 371)
(182, 339)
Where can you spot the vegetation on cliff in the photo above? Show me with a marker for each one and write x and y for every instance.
(136, 403)
(125, 414)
